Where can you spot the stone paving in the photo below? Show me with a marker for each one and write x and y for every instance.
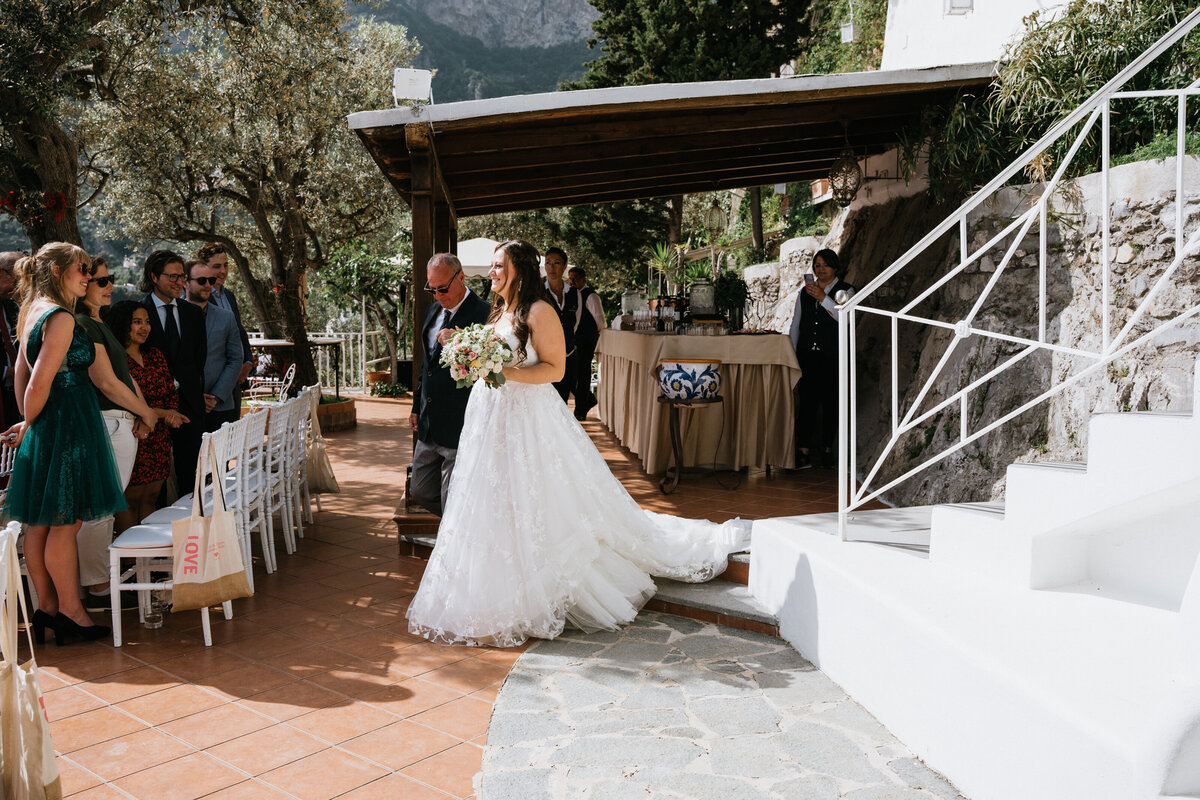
(674, 708)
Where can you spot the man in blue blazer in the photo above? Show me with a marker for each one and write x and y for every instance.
(439, 407)
(223, 358)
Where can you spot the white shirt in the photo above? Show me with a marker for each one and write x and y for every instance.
(161, 307)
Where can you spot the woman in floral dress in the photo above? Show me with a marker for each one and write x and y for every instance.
(130, 323)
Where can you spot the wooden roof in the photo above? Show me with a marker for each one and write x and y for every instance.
(601, 145)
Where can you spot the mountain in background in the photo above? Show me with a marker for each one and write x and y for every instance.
(493, 48)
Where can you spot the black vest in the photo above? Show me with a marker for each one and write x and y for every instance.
(586, 332)
(818, 330)
(566, 315)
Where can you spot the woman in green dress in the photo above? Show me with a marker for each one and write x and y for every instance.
(64, 470)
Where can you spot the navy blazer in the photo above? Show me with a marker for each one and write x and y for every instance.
(188, 366)
(440, 405)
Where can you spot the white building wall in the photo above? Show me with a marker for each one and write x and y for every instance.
(920, 33)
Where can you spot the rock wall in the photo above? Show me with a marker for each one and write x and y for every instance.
(513, 23)
(1155, 376)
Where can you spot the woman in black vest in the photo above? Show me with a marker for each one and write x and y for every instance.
(814, 335)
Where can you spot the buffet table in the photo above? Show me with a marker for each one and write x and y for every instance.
(757, 377)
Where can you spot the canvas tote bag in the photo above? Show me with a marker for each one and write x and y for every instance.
(208, 556)
(30, 771)
(321, 479)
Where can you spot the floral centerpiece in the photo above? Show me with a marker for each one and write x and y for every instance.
(476, 353)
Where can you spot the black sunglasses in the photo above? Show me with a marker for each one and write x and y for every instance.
(442, 289)
(204, 280)
(101, 282)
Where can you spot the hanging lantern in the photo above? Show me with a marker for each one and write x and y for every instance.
(715, 221)
(845, 178)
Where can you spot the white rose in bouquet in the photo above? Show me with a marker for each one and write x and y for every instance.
(476, 353)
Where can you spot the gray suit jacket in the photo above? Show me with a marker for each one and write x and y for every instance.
(229, 302)
(224, 356)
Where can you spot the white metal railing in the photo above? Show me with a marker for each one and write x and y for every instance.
(360, 351)
(854, 493)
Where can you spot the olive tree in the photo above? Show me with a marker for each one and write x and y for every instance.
(237, 135)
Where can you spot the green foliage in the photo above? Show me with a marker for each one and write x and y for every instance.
(670, 41)
(238, 135)
(358, 270)
(824, 51)
(1163, 146)
(389, 390)
(731, 291)
(466, 69)
(609, 241)
(804, 219)
(1061, 60)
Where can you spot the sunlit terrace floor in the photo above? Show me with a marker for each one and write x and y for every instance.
(314, 689)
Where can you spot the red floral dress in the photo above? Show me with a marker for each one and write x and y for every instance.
(153, 462)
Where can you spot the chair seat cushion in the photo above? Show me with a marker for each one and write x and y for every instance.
(168, 514)
(158, 535)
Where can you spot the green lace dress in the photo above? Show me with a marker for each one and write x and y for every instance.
(64, 469)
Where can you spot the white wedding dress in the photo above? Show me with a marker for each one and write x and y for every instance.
(537, 531)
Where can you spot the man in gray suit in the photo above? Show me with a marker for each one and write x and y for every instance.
(223, 361)
(215, 255)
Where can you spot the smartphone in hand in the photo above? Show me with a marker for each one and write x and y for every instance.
(810, 278)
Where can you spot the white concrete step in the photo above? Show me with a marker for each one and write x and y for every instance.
(1010, 692)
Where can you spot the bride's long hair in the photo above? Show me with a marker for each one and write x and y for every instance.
(526, 261)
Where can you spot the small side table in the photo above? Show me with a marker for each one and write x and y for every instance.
(670, 481)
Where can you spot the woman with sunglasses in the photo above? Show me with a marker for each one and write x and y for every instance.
(64, 470)
(121, 421)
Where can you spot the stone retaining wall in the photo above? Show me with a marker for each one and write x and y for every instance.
(1156, 377)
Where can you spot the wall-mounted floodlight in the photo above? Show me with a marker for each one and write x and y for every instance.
(412, 84)
(959, 6)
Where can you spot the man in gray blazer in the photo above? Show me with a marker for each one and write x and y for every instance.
(223, 361)
(215, 255)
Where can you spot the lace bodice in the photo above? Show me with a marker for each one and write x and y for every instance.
(503, 326)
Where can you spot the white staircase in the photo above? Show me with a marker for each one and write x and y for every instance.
(1046, 647)
(1123, 525)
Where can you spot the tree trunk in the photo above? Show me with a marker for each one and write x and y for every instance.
(756, 231)
(46, 182)
(295, 325)
(387, 323)
(675, 220)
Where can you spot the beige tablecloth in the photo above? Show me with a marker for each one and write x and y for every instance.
(752, 427)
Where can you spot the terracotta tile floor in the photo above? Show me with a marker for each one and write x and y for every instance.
(315, 689)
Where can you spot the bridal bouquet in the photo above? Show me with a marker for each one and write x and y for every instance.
(476, 353)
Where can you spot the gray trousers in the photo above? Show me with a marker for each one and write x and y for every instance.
(429, 486)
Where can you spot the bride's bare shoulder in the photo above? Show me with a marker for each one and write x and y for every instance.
(541, 311)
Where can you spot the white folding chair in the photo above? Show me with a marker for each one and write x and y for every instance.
(312, 398)
(152, 549)
(297, 454)
(276, 461)
(8, 456)
(232, 443)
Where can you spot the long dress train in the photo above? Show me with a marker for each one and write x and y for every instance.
(538, 532)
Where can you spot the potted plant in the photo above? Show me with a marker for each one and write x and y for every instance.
(665, 260)
(731, 294)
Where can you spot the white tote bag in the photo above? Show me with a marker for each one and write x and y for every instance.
(208, 556)
(321, 479)
(30, 771)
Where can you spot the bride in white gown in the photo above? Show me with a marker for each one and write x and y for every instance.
(537, 531)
